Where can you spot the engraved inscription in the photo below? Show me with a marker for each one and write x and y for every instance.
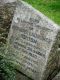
(30, 41)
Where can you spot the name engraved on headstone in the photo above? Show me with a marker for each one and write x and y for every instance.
(30, 40)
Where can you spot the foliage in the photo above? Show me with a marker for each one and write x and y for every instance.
(7, 72)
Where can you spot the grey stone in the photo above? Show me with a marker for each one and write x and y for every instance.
(6, 16)
(57, 77)
(20, 76)
(33, 43)
(6, 1)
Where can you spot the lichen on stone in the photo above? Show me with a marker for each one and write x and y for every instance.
(6, 16)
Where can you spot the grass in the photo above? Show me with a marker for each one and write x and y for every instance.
(50, 8)
(7, 71)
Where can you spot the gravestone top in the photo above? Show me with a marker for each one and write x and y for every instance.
(31, 40)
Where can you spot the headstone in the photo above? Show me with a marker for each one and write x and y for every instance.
(33, 43)
(6, 16)
(57, 77)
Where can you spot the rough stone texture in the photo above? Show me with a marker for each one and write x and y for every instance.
(20, 76)
(33, 43)
(57, 77)
(6, 1)
(53, 64)
(6, 15)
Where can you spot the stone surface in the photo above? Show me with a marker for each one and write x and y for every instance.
(6, 16)
(33, 43)
(20, 76)
(57, 77)
(6, 1)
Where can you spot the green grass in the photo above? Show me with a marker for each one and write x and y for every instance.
(50, 8)
(7, 71)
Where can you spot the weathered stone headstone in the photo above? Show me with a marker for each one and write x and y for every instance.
(6, 15)
(57, 77)
(33, 43)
